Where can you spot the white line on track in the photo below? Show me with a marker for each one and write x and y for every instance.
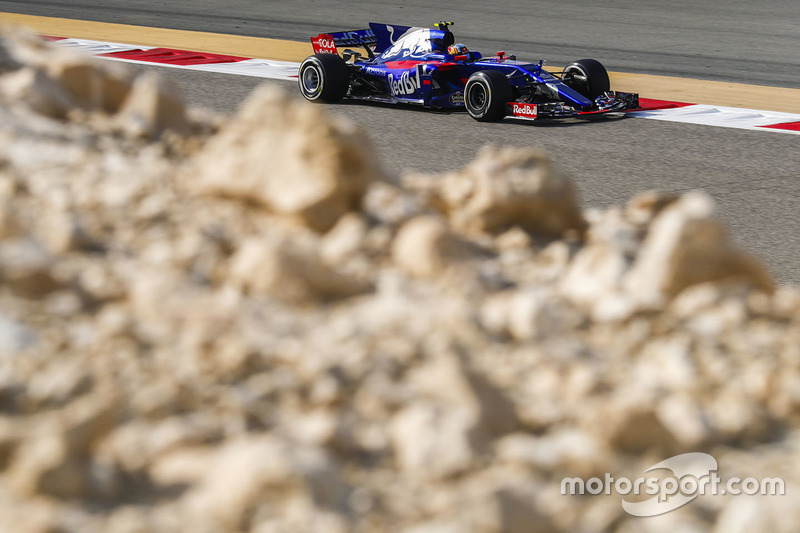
(98, 47)
(728, 117)
(259, 68)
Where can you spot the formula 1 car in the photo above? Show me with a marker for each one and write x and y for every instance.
(426, 67)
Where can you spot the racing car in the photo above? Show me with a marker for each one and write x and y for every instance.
(426, 67)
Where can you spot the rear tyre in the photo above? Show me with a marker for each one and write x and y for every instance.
(588, 77)
(486, 94)
(323, 77)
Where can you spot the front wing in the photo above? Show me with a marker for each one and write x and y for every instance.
(613, 102)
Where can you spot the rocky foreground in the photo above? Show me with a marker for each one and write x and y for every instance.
(247, 326)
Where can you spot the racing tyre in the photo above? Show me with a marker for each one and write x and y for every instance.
(323, 77)
(588, 77)
(486, 94)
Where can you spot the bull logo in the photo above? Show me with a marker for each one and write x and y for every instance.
(413, 46)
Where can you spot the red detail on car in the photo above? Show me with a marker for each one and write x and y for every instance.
(324, 44)
(524, 110)
(408, 63)
(426, 82)
(174, 57)
(411, 63)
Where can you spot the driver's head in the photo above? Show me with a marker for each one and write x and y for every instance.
(457, 49)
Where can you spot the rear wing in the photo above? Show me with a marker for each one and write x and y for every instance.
(328, 43)
(376, 39)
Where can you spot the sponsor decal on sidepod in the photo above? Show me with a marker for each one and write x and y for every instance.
(405, 84)
(457, 98)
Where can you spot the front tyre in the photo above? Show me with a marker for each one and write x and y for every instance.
(323, 77)
(486, 94)
(588, 77)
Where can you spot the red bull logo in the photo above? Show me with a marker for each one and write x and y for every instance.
(404, 85)
(524, 110)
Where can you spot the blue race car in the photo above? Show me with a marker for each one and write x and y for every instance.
(427, 67)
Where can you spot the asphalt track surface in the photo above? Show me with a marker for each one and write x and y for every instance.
(754, 176)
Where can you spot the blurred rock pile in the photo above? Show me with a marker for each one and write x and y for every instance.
(249, 327)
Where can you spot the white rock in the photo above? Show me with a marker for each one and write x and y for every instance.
(686, 246)
(290, 157)
(425, 247)
(432, 442)
(503, 188)
(152, 107)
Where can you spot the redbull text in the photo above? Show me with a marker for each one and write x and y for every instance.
(406, 84)
(524, 110)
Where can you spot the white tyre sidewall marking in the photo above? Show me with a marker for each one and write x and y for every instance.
(308, 95)
(488, 92)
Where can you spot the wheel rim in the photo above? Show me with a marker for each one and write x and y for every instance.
(477, 96)
(580, 78)
(311, 80)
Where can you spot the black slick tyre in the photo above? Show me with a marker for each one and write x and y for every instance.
(486, 94)
(588, 77)
(323, 77)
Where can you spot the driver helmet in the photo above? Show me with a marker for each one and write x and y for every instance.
(457, 49)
